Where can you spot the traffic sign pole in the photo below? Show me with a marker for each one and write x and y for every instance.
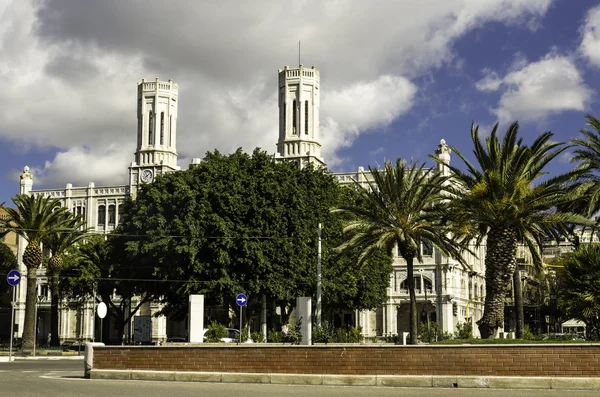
(12, 323)
(13, 278)
(241, 300)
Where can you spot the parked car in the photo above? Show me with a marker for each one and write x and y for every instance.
(233, 336)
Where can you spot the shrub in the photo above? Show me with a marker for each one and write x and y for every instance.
(348, 334)
(258, 337)
(463, 331)
(215, 332)
(323, 334)
(527, 334)
(293, 335)
(274, 336)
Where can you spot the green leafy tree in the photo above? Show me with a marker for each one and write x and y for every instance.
(59, 243)
(101, 269)
(401, 207)
(233, 223)
(34, 218)
(8, 262)
(507, 197)
(579, 286)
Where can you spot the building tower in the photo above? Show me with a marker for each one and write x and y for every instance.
(156, 152)
(299, 116)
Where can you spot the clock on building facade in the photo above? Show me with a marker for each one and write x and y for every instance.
(147, 176)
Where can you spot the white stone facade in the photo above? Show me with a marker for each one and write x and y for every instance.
(448, 292)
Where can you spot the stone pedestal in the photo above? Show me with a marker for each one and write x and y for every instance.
(304, 308)
(196, 318)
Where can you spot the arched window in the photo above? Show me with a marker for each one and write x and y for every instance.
(417, 282)
(162, 128)
(101, 215)
(150, 129)
(306, 117)
(111, 215)
(294, 118)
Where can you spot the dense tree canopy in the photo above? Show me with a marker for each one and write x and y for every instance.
(245, 223)
(8, 262)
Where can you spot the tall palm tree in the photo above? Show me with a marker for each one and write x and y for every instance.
(400, 208)
(33, 218)
(587, 154)
(505, 200)
(59, 242)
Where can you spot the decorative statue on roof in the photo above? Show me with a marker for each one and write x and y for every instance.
(26, 174)
(443, 152)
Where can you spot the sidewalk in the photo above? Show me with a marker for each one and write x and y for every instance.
(487, 382)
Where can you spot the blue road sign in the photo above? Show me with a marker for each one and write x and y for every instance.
(241, 300)
(13, 277)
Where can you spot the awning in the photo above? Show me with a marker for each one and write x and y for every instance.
(572, 323)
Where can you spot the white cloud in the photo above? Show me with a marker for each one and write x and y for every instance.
(491, 81)
(104, 167)
(539, 89)
(361, 107)
(69, 68)
(590, 43)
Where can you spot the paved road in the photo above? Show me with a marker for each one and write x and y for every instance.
(64, 378)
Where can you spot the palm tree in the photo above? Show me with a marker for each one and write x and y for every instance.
(579, 286)
(59, 242)
(400, 208)
(33, 218)
(587, 153)
(505, 200)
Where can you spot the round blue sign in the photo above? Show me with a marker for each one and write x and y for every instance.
(13, 278)
(241, 300)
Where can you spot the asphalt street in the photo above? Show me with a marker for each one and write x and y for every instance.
(63, 378)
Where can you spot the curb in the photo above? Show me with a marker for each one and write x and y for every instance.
(461, 382)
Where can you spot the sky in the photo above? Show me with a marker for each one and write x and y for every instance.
(396, 77)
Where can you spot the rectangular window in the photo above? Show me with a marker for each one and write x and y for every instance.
(306, 118)
(294, 118)
(427, 248)
(150, 128)
(162, 128)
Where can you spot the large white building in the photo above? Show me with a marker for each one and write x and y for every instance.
(446, 293)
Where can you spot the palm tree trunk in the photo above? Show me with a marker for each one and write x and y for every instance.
(500, 264)
(518, 290)
(410, 282)
(55, 340)
(30, 309)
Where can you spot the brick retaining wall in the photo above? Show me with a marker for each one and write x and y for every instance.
(490, 360)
